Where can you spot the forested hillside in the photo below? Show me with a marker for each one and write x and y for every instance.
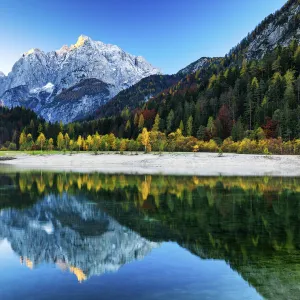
(137, 94)
(238, 99)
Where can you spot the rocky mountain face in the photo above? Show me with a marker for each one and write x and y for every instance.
(198, 65)
(45, 82)
(72, 233)
(279, 28)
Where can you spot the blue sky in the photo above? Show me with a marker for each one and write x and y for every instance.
(168, 33)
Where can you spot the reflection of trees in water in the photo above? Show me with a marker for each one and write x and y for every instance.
(252, 223)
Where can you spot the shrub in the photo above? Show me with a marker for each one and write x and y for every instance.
(12, 146)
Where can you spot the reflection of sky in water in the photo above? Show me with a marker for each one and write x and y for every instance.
(169, 272)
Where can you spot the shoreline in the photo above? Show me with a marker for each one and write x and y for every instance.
(189, 164)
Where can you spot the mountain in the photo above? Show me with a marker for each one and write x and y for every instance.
(201, 64)
(39, 80)
(279, 28)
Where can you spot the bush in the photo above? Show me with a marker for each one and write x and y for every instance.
(12, 146)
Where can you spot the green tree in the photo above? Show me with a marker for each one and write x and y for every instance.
(201, 132)
(156, 123)
(211, 128)
(181, 126)
(189, 126)
(170, 120)
(141, 122)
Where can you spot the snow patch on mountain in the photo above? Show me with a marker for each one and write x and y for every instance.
(48, 88)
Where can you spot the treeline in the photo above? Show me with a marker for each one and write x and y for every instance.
(155, 140)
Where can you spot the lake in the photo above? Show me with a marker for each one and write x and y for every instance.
(99, 236)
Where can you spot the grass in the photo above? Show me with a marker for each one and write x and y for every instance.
(38, 152)
(55, 152)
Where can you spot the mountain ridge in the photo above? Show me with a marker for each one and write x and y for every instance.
(66, 67)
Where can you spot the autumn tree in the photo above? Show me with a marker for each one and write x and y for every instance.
(50, 145)
(67, 141)
(41, 140)
(60, 141)
(145, 138)
(111, 141)
(79, 142)
(22, 140)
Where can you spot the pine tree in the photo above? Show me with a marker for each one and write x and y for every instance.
(211, 128)
(141, 122)
(189, 126)
(181, 126)
(170, 120)
(201, 132)
(156, 123)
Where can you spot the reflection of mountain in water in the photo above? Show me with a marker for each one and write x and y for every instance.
(251, 223)
(72, 233)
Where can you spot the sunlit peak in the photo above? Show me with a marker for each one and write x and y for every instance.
(81, 40)
(31, 51)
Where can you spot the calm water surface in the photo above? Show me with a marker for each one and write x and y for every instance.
(97, 236)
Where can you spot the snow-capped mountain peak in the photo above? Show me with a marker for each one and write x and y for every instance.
(65, 68)
(32, 51)
(82, 40)
(64, 49)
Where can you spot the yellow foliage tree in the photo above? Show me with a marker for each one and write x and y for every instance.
(145, 138)
(60, 141)
(79, 142)
(41, 140)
